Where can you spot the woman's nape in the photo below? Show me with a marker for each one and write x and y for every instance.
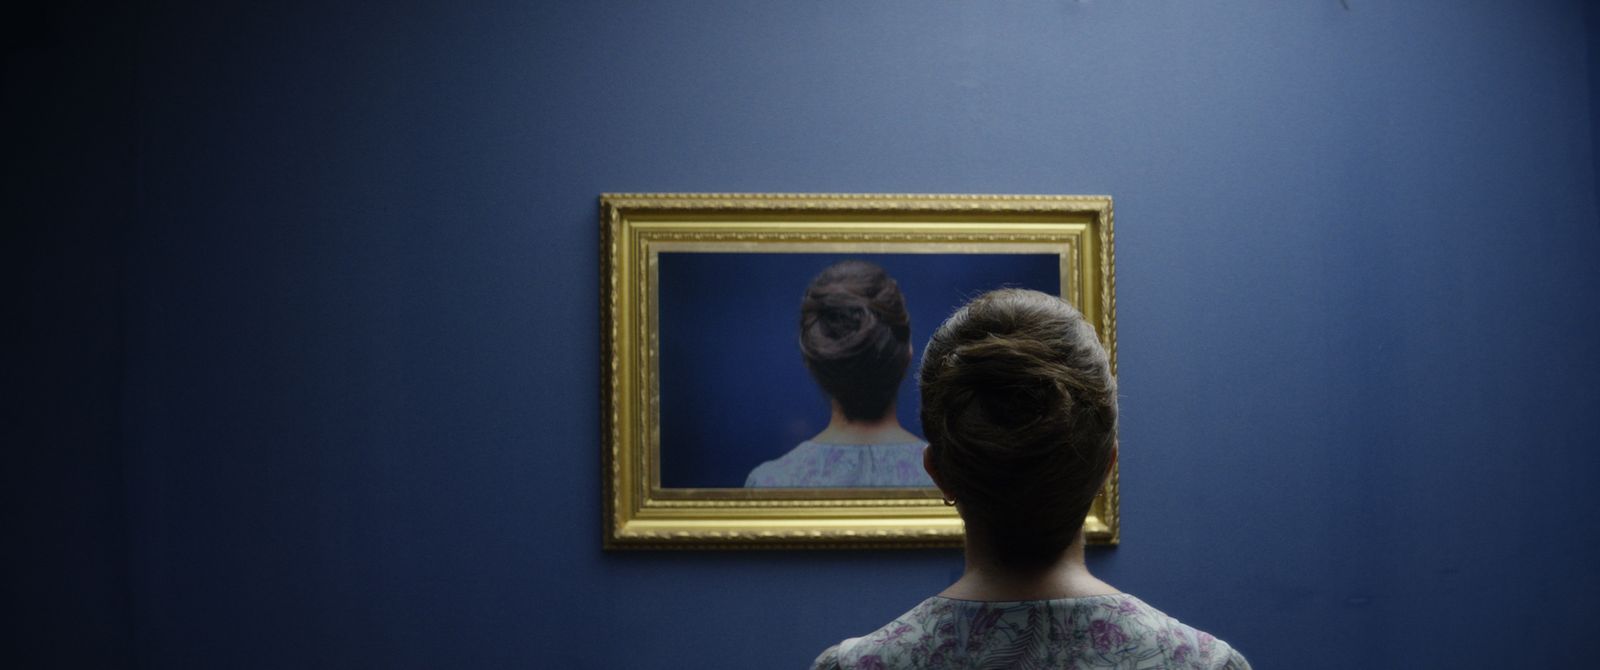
(987, 579)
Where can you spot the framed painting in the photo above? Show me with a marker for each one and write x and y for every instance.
(715, 418)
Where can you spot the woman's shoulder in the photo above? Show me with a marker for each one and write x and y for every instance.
(1182, 645)
(894, 645)
(1097, 631)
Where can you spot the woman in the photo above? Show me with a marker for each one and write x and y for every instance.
(855, 335)
(1020, 410)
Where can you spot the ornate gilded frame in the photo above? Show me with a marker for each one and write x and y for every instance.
(636, 228)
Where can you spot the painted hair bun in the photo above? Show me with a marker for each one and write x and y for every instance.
(854, 332)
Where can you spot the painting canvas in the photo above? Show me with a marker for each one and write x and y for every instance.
(720, 427)
(735, 390)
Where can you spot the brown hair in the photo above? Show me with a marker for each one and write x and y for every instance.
(1020, 410)
(854, 331)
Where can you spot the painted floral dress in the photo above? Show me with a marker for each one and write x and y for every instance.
(1112, 631)
(824, 464)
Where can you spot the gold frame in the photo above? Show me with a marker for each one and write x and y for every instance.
(635, 228)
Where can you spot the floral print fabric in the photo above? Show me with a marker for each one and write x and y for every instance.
(821, 464)
(1113, 631)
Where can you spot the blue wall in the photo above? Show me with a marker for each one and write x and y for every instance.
(65, 209)
(351, 354)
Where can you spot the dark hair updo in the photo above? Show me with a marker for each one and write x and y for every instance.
(1020, 411)
(854, 329)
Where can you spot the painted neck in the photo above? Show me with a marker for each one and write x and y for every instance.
(885, 430)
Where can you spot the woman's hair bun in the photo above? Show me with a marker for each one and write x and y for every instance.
(1011, 384)
(1020, 410)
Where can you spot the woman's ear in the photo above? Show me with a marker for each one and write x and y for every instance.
(933, 473)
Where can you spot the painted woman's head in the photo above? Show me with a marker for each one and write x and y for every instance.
(855, 336)
(1020, 410)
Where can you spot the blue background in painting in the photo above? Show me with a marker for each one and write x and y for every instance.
(734, 387)
(308, 297)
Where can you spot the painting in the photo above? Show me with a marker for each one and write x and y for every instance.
(759, 355)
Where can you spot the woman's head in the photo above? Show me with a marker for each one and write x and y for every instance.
(1020, 411)
(855, 335)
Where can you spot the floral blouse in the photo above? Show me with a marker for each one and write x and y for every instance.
(823, 464)
(1111, 631)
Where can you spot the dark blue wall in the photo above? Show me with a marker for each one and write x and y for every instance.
(353, 360)
(66, 204)
(1593, 17)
